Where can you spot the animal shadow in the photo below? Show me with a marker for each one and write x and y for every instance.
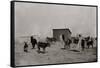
(40, 52)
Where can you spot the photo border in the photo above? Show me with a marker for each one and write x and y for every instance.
(12, 33)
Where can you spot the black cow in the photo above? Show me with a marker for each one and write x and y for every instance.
(89, 42)
(33, 42)
(25, 47)
(42, 45)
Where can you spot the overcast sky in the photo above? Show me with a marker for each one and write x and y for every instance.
(40, 19)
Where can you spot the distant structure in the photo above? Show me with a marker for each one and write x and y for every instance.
(61, 32)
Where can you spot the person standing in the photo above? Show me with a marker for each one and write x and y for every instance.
(78, 46)
(25, 47)
(83, 44)
(33, 42)
(62, 39)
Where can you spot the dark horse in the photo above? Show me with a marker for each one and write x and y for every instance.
(33, 42)
(42, 45)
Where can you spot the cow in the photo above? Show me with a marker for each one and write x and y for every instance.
(89, 42)
(42, 45)
(33, 42)
(51, 39)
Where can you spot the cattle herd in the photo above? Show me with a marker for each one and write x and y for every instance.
(86, 42)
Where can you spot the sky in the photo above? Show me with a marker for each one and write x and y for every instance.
(40, 19)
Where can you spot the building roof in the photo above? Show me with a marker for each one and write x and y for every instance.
(63, 29)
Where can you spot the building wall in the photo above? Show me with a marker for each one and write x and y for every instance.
(58, 33)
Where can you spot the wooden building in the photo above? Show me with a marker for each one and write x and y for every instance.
(66, 33)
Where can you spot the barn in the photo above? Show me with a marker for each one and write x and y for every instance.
(59, 32)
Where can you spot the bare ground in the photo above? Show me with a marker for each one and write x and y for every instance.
(53, 55)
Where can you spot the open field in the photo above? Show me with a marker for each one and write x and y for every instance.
(53, 55)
